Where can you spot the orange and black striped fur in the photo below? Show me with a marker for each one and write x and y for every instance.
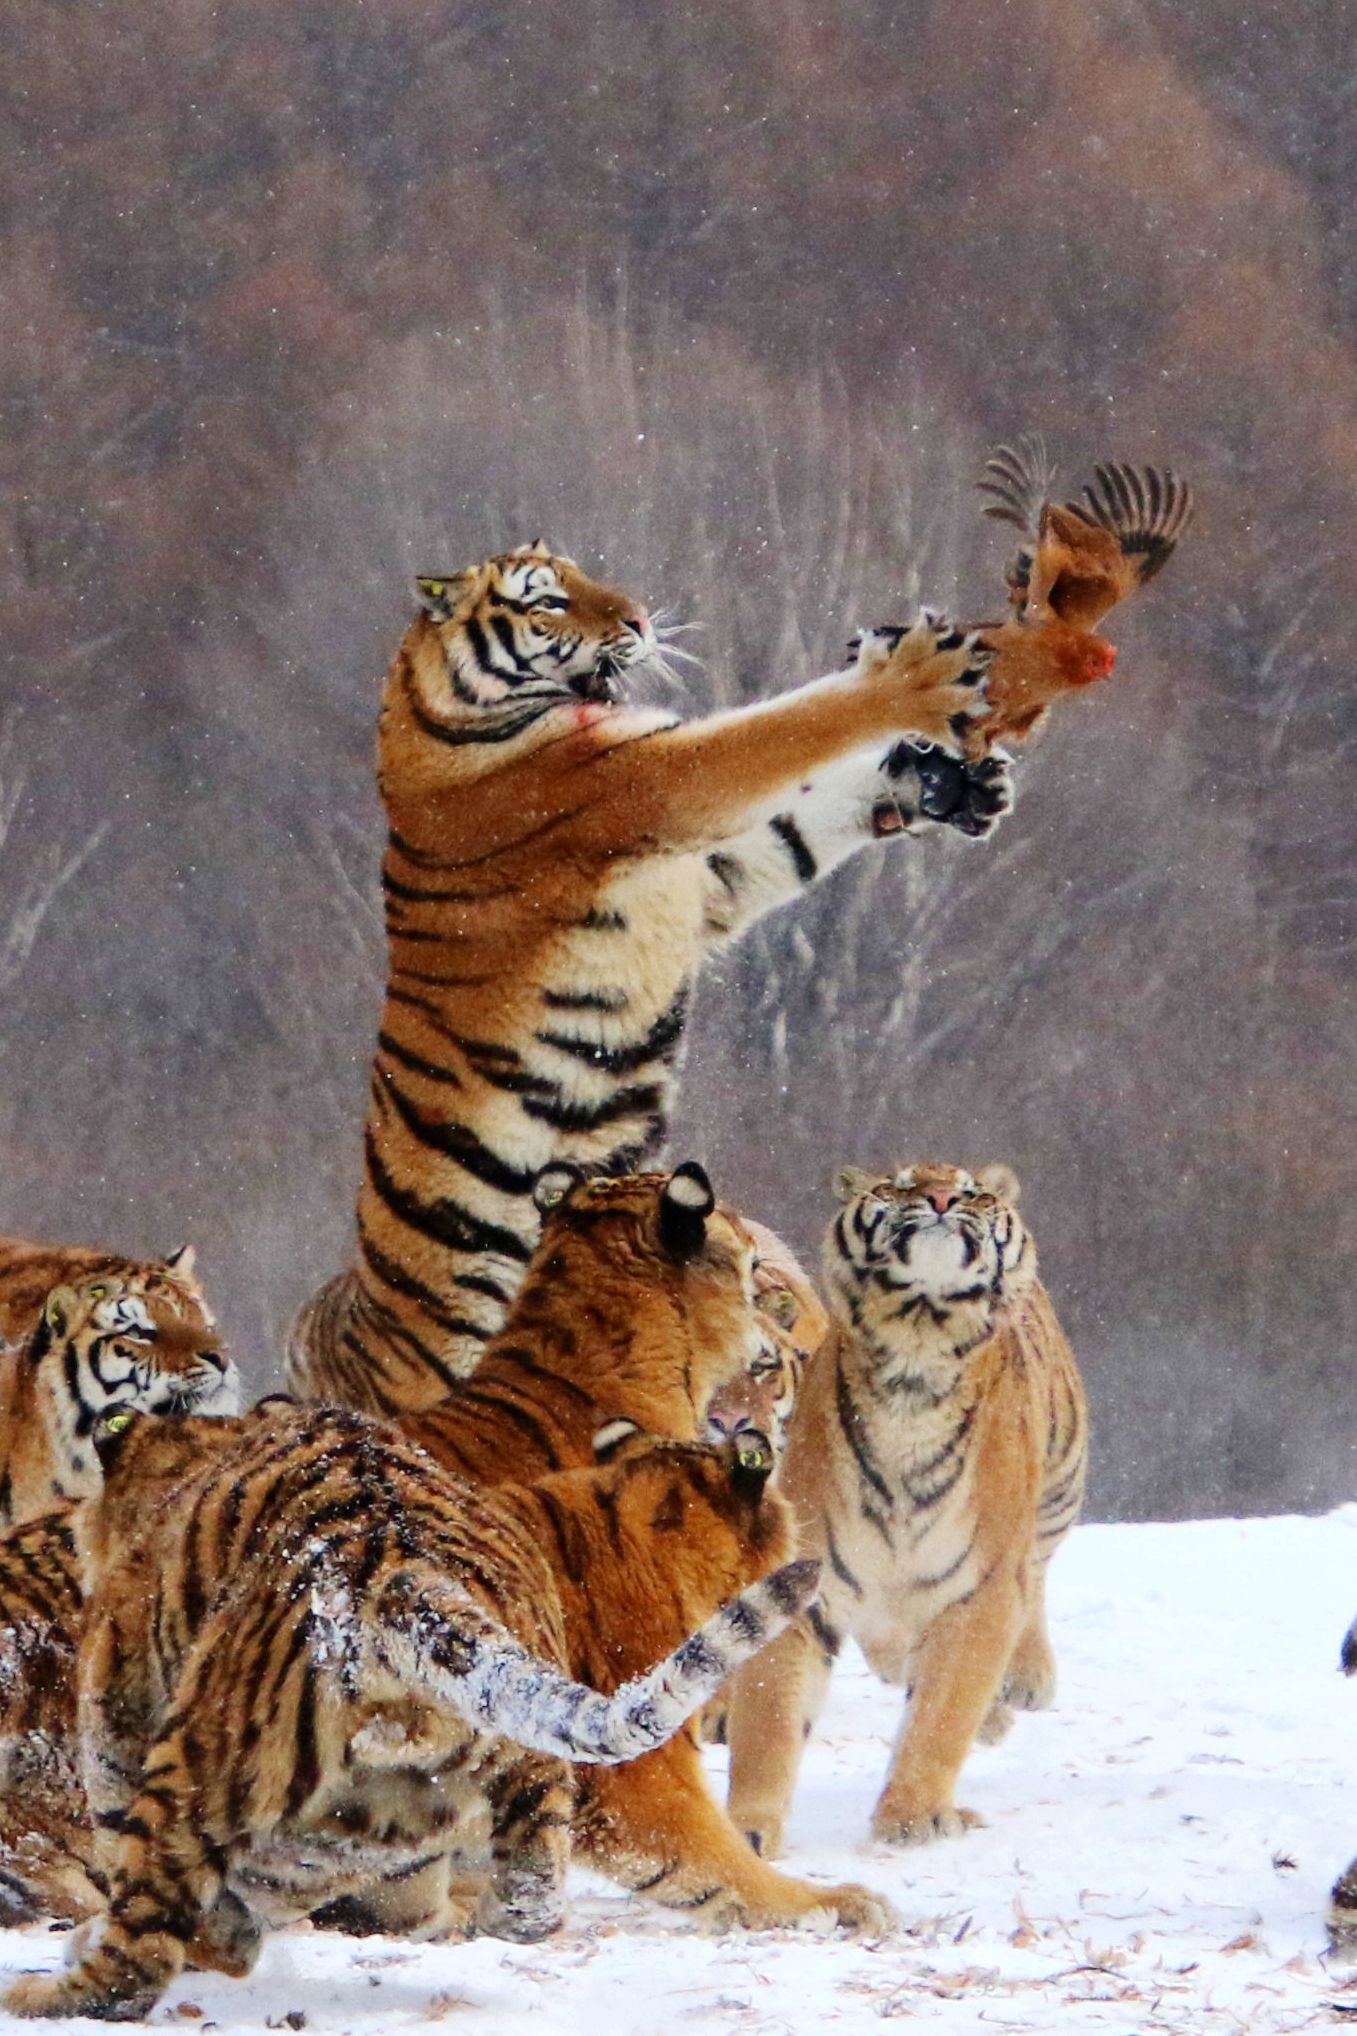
(125, 1334)
(793, 1324)
(642, 1301)
(46, 1837)
(639, 1303)
(311, 1657)
(936, 1460)
(128, 1335)
(557, 865)
(28, 1273)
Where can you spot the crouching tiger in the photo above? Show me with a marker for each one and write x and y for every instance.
(311, 1657)
(558, 863)
(936, 1459)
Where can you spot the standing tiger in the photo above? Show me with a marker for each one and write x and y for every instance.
(936, 1460)
(312, 1658)
(557, 865)
(121, 1333)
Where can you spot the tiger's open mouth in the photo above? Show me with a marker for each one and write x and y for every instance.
(602, 684)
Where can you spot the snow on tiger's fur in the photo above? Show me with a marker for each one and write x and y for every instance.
(312, 1658)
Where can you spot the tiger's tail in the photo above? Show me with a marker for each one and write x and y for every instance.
(427, 1632)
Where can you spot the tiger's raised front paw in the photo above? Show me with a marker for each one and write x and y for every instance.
(972, 797)
(933, 675)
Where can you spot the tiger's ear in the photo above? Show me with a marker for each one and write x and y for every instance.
(539, 548)
(111, 1431)
(851, 1181)
(183, 1261)
(686, 1201)
(1000, 1181)
(439, 593)
(554, 1184)
(60, 1309)
(752, 1462)
(779, 1305)
(610, 1437)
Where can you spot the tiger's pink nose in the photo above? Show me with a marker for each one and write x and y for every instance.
(941, 1199)
(639, 621)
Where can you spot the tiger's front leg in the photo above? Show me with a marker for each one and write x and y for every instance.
(653, 1826)
(774, 1701)
(531, 1805)
(839, 810)
(957, 1676)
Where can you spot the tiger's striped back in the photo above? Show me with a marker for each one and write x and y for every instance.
(335, 1641)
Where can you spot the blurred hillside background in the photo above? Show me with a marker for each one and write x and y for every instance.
(728, 300)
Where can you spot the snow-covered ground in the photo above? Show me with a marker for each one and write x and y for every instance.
(1158, 1855)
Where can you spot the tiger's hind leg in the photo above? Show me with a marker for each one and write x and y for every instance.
(167, 1881)
(531, 1804)
(1029, 1680)
(958, 1671)
(774, 1701)
(653, 1826)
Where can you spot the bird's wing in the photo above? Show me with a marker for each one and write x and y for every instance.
(1146, 509)
(1019, 477)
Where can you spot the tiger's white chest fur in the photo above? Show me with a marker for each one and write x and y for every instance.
(900, 1521)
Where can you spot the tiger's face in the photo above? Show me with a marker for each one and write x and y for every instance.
(148, 1345)
(760, 1400)
(530, 626)
(911, 1247)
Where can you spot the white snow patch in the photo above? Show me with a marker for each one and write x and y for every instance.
(1158, 1856)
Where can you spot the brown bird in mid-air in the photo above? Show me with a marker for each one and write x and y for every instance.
(1078, 559)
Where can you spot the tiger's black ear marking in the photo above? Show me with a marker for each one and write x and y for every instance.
(111, 1431)
(182, 1260)
(752, 1462)
(554, 1184)
(437, 594)
(609, 1438)
(686, 1201)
